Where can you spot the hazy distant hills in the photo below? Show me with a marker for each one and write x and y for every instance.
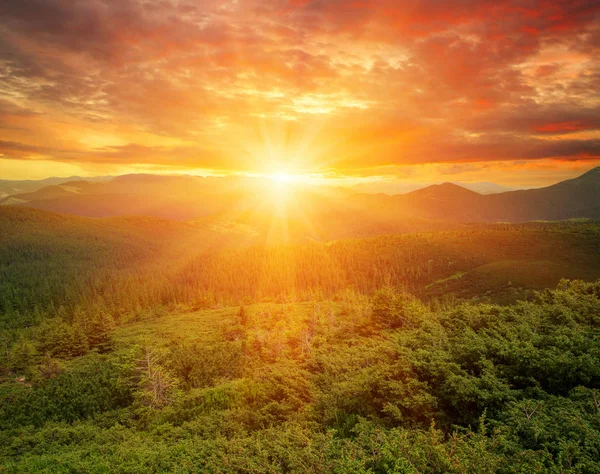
(11, 187)
(575, 198)
(256, 207)
(579, 197)
(172, 197)
(406, 187)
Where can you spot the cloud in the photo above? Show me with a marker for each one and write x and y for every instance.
(22, 150)
(350, 84)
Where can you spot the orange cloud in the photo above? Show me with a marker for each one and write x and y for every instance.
(342, 85)
(563, 127)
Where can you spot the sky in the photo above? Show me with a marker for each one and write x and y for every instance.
(421, 91)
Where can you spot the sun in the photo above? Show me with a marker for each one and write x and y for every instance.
(283, 177)
(287, 177)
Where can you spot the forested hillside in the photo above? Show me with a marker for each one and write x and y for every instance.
(430, 265)
(381, 384)
(51, 262)
(144, 345)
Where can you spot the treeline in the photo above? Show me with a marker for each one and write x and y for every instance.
(55, 265)
(52, 263)
(365, 384)
(411, 260)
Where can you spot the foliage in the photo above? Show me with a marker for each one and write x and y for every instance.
(384, 384)
(124, 353)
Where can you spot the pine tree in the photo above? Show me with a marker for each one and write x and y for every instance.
(100, 327)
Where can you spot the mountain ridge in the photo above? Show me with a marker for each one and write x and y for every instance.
(186, 198)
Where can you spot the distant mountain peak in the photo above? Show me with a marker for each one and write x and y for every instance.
(444, 191)
(484, 187)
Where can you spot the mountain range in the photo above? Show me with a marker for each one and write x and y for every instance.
(575, 198)
(259, 207)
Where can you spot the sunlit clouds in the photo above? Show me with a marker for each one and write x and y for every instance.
(478, 90)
